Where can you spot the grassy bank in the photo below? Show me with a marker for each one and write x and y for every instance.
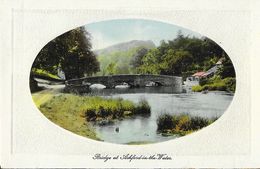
(102, 110)
(45, 73)
(74, 112)
(180, 124)
(215, 83)
(63, 110)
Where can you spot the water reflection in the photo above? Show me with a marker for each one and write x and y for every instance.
(155, 89)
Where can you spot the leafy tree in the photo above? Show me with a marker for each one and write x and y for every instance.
(184, 56)
(136, 60)
(177, 62)
(71, 52)
(227, 68)
(150, 63)
(111, 69)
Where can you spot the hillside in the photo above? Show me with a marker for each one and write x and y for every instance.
(125, 46)
(116, 59)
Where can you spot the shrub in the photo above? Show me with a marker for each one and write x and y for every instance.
(203, 81)
(143, 108)
(215, 86)
(90, 115)
(216, 83)
(197, 88)
(230, 83)
(198, 123)
(181, 124)
(102, 112)
(165, 122)
(214, 79)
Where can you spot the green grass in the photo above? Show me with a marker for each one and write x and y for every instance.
(215, 83)
(41, 97)
(197, 88)
(44, 73)
(182, 124)
(74, 112)
(63, 110)
(98, 109)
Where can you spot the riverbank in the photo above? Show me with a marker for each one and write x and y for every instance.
(181, 125)
(104, 111)
(215, 83)
(62, 109)
(76, 113)
(68, 111)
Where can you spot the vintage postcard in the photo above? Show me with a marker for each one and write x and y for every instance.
(140, 84)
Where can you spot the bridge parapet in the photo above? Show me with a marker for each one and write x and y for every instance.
(136, 80)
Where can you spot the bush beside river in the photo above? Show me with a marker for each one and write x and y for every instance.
(216, 83)
(180, 124)
(106, 110)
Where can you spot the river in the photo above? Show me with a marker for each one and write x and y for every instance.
(162, 100)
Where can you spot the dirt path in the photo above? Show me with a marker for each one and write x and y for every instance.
(43, 96)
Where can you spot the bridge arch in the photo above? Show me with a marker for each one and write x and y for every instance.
(153, 83)
(137, 80)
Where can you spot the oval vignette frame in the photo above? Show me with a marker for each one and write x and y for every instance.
(98, 79)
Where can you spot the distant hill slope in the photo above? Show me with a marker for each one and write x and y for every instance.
(116, 59)
(125, 46)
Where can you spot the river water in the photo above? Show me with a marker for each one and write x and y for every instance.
(162, 100)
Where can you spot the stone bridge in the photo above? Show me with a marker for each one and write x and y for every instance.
(135, 80)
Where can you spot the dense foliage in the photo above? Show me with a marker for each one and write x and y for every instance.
(70, 52)
(216, 83)
(181, 56)
(184, 56)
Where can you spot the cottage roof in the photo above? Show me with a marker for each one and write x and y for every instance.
(199, 74)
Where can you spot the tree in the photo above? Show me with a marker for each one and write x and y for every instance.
(227, 69)
(111, 68)
(136, 60)
(71, 52)
(150, 63)
(184, 56)
(176, 62)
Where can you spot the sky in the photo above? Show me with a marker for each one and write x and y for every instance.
(107, 33)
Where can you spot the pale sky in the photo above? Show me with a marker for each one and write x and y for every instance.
(107, 33)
